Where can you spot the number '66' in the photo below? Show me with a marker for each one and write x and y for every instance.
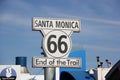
(56, 45)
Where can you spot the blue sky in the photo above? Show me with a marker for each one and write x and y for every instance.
(99, 36)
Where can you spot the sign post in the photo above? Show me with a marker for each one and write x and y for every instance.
(57, 44)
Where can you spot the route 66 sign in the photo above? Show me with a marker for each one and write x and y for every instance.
(57, 44)
(56, 32)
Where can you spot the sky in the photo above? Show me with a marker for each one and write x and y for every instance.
(99, 36)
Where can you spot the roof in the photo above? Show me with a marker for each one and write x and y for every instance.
(77, 54)
(75, 75)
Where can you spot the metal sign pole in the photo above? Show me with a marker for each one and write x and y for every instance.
(57, 73)
(49, 73)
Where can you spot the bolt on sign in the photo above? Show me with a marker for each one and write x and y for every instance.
(56, 32)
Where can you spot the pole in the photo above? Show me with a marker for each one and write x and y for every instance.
(57, 73)
(49, 73)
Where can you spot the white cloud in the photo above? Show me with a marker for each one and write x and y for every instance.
(12, 19)
(95, 47)
(19, 5)
(102, 20)
(49, 11)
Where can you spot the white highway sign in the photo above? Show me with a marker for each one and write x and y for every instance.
(59, 24)
(56, 62)
(57, 44)
(56, 35)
